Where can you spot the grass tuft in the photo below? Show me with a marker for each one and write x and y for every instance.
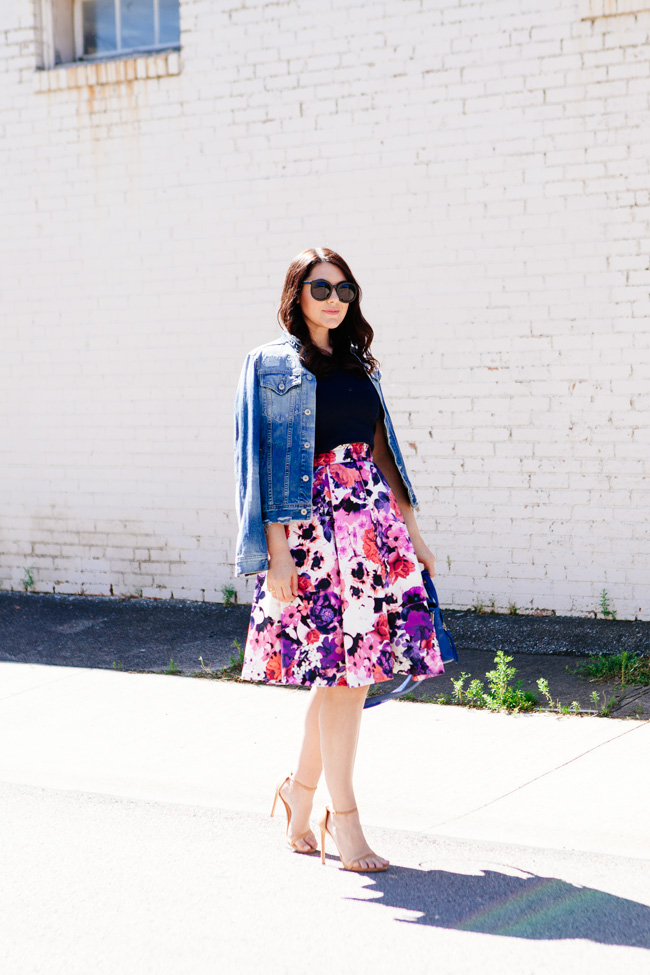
(626, 667)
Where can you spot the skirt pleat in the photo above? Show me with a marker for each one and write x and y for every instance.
(361, 614)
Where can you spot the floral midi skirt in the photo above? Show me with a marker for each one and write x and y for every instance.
(360, 616)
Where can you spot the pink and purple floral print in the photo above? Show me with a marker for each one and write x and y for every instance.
(361, 615)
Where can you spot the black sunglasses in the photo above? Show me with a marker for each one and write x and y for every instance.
(321, 290)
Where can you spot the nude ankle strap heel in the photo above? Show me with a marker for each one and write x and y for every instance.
(309, 788)
(288, 778)
(362, 856)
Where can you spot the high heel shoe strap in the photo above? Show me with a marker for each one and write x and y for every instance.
(310, 788)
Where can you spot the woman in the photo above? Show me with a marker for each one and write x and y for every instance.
(327, 526)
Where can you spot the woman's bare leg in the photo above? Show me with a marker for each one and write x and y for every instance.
(340, 720)
(308, 771)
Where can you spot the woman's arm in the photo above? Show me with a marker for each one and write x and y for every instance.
(383, 458)
(251, 545)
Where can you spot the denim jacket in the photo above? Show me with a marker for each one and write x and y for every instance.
(275, 422)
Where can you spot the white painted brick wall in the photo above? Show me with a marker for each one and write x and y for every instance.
(484, 168)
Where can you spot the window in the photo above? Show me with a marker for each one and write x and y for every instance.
(98, 30)
(109, 27)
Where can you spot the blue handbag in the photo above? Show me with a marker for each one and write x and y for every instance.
(448, 652)
(446, 643)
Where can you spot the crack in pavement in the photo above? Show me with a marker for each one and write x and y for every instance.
(543, 775)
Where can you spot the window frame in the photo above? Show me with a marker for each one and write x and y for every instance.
(119, 52)
(598, 9)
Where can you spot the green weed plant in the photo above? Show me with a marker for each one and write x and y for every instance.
(605, 608)
(626, 667)
(229, 594)
(501, 693)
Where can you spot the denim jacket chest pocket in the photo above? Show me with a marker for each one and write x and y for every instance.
(279, 391)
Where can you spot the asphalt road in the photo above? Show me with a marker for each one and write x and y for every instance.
(112, 885)
(148, 634)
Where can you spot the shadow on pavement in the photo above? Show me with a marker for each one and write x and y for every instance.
(525, 906)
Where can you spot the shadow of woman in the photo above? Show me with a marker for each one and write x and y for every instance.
(518, 906)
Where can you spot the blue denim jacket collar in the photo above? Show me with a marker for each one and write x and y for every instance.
(275, 415)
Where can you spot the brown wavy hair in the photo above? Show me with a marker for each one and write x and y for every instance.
(354, 334)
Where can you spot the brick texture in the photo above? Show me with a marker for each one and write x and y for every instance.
(483, 166)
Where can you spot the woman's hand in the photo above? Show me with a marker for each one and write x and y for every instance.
(424, 555)
(282, 576)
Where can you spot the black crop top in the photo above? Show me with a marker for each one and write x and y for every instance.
(347, 410)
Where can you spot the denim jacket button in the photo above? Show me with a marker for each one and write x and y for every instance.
(305, 477)
(303, 511)
(307, 412)
(307, 444)
(280, 385)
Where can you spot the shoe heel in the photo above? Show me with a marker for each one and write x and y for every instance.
(277, 794)
(323, 832)
(287, 807)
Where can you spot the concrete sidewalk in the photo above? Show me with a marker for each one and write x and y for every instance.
(542, 780)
